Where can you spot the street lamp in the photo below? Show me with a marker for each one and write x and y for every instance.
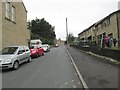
(66, 31)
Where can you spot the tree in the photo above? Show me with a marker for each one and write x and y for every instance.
(70, 38)
(41, 29)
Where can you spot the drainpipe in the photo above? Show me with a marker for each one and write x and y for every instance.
(118, 30)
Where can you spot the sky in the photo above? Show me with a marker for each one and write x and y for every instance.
(80, 13)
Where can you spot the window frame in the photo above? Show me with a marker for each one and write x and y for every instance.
(13, 18)
(21, 50)
(7, 9)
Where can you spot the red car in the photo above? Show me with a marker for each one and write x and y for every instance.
(36, 52)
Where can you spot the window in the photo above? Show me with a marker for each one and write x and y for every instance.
(21, 50)
(99, 26)
(26, 48)
(90, 30)
(105, 23)
(13, 13)
(108, 21)
(7, 9)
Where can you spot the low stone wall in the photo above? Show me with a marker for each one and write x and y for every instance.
(114, 54)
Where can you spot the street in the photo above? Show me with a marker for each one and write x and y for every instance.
(53, 70)
(56, 44)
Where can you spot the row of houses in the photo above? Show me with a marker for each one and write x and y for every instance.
(14, 24)
(110, 25)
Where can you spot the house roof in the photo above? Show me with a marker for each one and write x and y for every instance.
(86, 29)
(24, 6)
(106, 17)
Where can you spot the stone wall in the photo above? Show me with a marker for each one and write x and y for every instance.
(15, 32)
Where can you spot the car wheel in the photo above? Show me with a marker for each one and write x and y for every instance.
(43, 54)
(37, 55)
(29, 59)
(15, 65)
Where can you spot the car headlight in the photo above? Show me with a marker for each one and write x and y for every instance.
(7, 61)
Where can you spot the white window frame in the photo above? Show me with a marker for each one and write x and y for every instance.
(13, 13)
(7, 9)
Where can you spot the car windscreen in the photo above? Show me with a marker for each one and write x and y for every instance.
(33, 47)
(44, 46)
(9, 50)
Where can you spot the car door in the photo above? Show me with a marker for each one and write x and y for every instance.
(39, 51)
(42, 51)
(21, 54)
(27, 53)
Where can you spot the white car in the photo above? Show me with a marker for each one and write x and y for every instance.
(46, 47)
(56, 45)
(13, 56)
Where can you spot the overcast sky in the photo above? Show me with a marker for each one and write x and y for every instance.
(80, 13)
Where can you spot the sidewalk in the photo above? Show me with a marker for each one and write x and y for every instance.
(96, 72)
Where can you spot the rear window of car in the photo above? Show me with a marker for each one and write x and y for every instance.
(31, 47)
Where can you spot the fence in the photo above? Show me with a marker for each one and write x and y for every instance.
(114, 54)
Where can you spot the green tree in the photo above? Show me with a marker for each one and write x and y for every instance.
(41, 29)
(70, 38)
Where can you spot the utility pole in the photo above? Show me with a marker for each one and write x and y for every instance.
(66, 32)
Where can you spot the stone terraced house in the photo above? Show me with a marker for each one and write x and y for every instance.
(14, 24)
(110, 25)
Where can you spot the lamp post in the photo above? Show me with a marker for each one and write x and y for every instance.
(66, 32)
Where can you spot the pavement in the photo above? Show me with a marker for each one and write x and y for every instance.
(97, 72)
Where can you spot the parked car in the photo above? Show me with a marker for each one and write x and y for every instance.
(46, 47)
(13, 56)
(56, 45)
(36, 51)
(36, 42)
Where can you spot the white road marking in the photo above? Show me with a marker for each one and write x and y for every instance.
(72, 80)
(74, 86)
(66, 83)
(76, 74)
(69, 84)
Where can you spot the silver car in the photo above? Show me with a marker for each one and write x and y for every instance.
(13, 56)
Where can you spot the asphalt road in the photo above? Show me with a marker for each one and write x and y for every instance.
(53, 70)
(97, 72)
